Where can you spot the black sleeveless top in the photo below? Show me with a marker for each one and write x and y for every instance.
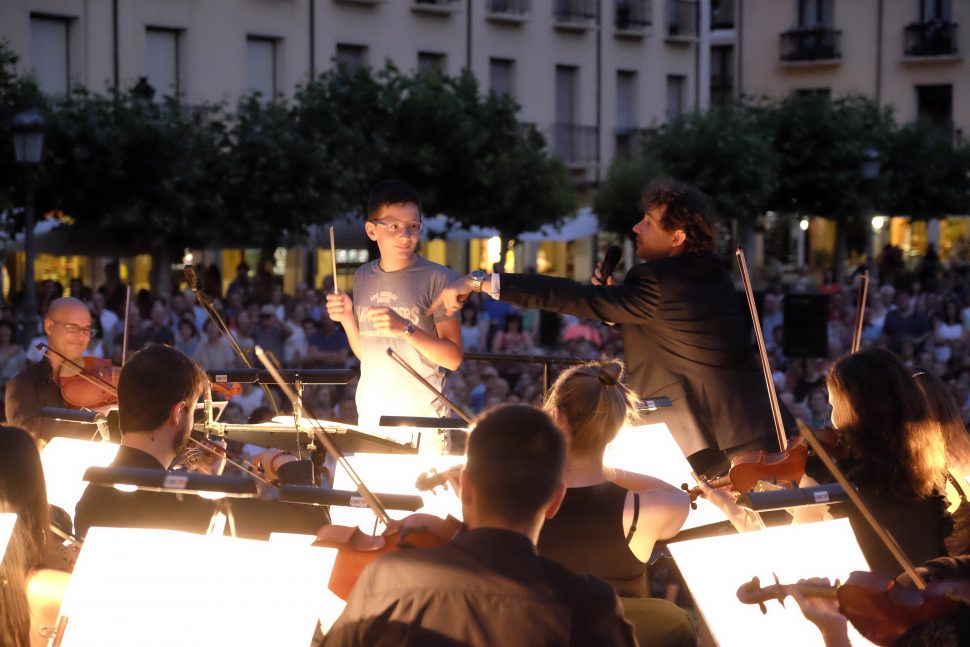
(586, 536)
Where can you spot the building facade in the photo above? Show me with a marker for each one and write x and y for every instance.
(588, 73)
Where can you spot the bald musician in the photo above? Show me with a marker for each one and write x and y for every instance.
(67, 325)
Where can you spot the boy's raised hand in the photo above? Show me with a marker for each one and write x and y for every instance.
(387, 321)
(340, 307)
(452, 297)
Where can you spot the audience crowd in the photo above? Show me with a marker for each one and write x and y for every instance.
(920, 312)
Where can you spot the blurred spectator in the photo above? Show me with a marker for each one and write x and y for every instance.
(214, 352)
(187, 339)
(905, 322)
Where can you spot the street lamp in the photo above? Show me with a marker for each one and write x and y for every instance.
(870, 172)
(28, 146)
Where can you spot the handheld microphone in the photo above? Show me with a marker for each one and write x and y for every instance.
(192, 277)
(610, 261)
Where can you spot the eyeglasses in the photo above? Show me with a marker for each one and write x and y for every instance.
(74, 329)
(393, 227)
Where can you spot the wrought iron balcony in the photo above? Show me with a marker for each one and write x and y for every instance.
(629, 143)
(811, 44)
(575, 145)
(682, 18)
(632, 15)
(579, 12)
(514, 8)
(930, 38)
(435, 6)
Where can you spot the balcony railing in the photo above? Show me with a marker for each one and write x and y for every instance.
(574, 11)
(435, 5)
(509, 7)
(722, 14)
(722, 90)
(575, 145)
(931, 38)
(629, 143)
(632, 15)
(811, 44)
(682, 18)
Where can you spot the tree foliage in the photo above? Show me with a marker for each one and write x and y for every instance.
(927, 168)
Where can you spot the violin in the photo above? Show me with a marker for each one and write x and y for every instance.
(431, 479)
(356, 549)
(749, 468)
(90, 382)
(879, 608)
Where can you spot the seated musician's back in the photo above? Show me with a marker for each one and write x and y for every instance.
(488, 586)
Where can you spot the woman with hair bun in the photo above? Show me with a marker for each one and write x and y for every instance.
(610, 519)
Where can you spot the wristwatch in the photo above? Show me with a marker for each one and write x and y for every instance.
(477, 277)
(408, 329)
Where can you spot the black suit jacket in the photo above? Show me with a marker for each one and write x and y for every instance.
(685, 336)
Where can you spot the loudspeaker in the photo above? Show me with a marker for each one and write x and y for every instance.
(806, 325)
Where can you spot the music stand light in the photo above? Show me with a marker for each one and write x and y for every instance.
(163, 587)
(651, 449)
(65, 461)
(7, 521)
(714, 568)
(395, 474)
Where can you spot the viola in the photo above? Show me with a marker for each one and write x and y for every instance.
(879, 608)
(356, 549)
(749, 468)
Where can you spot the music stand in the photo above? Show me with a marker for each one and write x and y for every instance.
(714, 568)
(155, 587)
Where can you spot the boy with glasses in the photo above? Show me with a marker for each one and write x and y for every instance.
(390, 310)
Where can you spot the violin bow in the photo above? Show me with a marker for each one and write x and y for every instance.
(324, 437)
(93, 379)
(860, 312)
(884, 535)
(124, 342)
(756, 324)
(333, 260)
(441, 396)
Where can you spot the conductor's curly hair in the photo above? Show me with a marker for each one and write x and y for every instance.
(686, 208)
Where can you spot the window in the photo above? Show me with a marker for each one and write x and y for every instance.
(934, 103)
(49, 53)
(566, 87)
(352, 56)
(501, 78)
(261, 65)
(431, 61)
(816, 13)
(930, 10)
(676, 84)
(626, 112)
(722, 74)
(162, 61)
(626, 100)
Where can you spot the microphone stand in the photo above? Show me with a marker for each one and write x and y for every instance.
(192, 278)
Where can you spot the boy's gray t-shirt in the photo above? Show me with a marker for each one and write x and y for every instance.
(385, 388)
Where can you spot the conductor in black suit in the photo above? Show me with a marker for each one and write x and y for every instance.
(685, 334)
